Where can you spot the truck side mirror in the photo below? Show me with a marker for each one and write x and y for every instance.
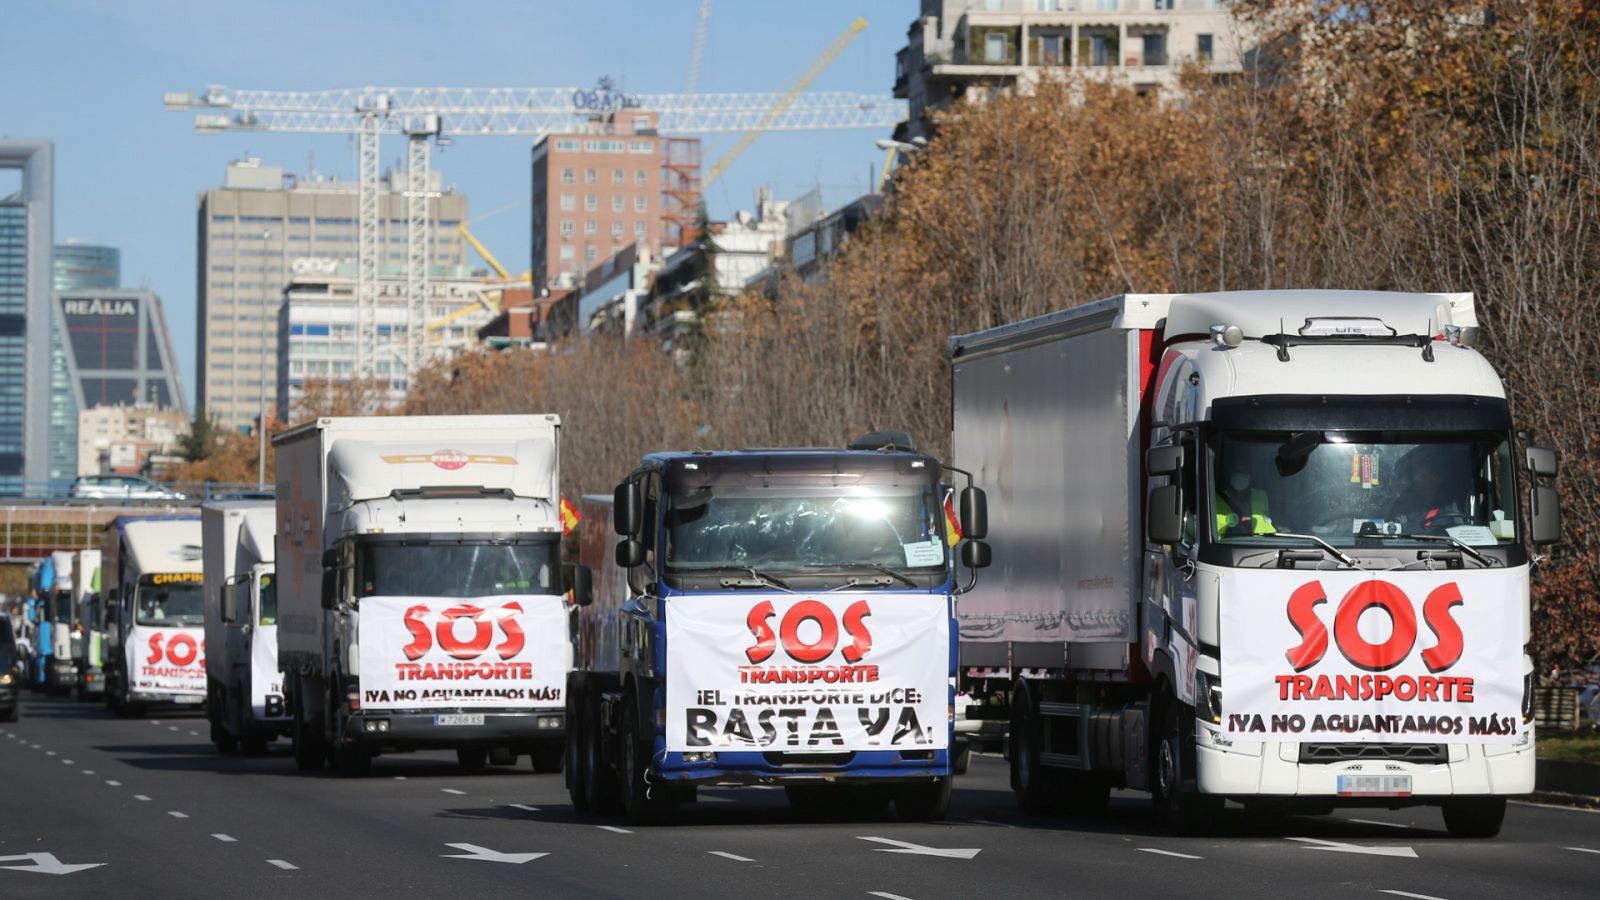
(1163, 516)
(976, 554)
(630, 553)
(974, 513)
(330, 588)
(627, 509)
(1542, 461)
(1164, 460)
(1546, 524)
(330, 558)
(582, 585)
(230, 602)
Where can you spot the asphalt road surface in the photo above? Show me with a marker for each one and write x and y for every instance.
(96, 806)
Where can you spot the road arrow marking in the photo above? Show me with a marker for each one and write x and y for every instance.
(1336, 847)
(487, 855)
(45, 863)
(283, 864)
(919, 850)
(524, 807)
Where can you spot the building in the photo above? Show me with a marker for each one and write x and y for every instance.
(616, 183)
(613, 292)
(317, 319)
(810, 244)
(251, 230)
(87, 267)
(965, 48)
(127, 439)
(27, 231)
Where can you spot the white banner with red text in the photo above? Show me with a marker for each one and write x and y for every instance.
(266, 681)
(1383, 657)
(167, 660)
(804, 673)
(477, 653)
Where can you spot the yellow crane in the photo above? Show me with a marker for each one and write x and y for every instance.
(795, 90)
(506, 279)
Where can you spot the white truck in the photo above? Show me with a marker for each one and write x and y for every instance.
(90, 624)
(156, 643)
(420, 588)
(1259, 546)
(58, 637)
(244, 687)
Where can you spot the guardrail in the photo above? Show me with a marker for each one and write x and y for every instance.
(65, 492)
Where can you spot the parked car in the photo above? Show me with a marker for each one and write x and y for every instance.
(121, 487)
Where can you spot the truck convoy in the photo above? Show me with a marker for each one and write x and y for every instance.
(89, 622)
(58, 669)
(773, 617)
(244, 687)
(155, 635)
(420, 588)
(1259, 546)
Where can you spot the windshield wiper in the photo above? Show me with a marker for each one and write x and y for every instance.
(757, 578)
(1333, 551)
(1461, 545)
(880, 567)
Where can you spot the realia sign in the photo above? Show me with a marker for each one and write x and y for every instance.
(1406, 657)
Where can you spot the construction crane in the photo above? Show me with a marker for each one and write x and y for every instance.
(432, 115)
(776, 111)
(697, 50)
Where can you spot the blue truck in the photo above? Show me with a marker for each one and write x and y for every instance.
(772, 617)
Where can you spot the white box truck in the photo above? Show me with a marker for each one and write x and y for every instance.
(155, 622)
(1259, 546)
(420, 588)
(244, 687)
(90, 624)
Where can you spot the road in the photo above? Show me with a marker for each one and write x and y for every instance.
(157, 812)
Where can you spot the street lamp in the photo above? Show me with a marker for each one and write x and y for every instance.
(261, 391)
(910, 148)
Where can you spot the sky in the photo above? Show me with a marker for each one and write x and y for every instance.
(89, 75)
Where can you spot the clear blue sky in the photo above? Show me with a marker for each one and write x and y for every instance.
(89, 75)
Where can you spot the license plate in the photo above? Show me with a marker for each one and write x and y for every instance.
(459, 719)
(1374, 785)
(188, 699)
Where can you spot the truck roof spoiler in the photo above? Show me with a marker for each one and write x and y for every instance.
(887, 440)
(450, 491)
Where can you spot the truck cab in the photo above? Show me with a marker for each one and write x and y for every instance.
(156, 623)
(244, 687)
(782, 617)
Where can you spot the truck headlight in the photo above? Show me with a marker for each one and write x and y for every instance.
(1527, 698)
(5, 678)
(1208, 697)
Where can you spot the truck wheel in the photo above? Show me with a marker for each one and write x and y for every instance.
(1185, 812)
(577, 783)
(645, 803)
(1475, 817)
(1031, 782)
(226, 743)
(924, 802)
(547, 756)
(961, 756)
(472, 759)
(599, 781)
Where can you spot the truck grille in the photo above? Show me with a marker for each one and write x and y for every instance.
(1333, 753)
(810, 760)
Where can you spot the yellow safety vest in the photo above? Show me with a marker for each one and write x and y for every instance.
(1227, 518)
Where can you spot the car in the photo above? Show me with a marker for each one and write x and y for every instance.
(10, 673)
(245, 495)
(121, 487)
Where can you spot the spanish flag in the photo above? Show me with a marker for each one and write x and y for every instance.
(952, 522)
(569, 516)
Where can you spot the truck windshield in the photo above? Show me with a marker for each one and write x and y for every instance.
(1361, 488)
(457, 570)
(61, 607)
(169, 603)
(269, 600)
(805, 528)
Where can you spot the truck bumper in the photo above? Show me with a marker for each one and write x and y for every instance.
(8, 695)
(747, 768)
(195, 700)
(1274, 769)
(60, 674)
(411, 729)
(92, 682)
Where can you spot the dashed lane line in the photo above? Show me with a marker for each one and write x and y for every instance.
(733, 856)
(67, 762)
(88, 771)
(194, 734)
(1169, 853)
(283, 864)
(113, 782)
(886, 895)
(399, 778)
(1583, 850)
(226, 839)
(1411, 895)
(454, 791)
(49, 753)
(524, 807)
(141, 797)
(614, 829)
(172, 728)
(177, 815)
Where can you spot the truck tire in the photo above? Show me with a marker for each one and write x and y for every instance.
(1034, 785)
(548, 756)
(1183, 811)
(1474, 817)
(472, 759)
(925, 801)
(644, 802)
(600, 787)
(577, 783)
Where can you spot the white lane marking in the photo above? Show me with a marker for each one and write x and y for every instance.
(399, 778)
(155, 721)
(484, 854)
(35, 746)
(194, 733)
(172, 728)
(88, 771)
(66, 762)
(454, 791)
(225, 838)
(525, 807)
(1583, 850)
(919, 850)
(733, 856)
(283, 864)
(141, 797)
(1169, 853)
(991, 823)
(177, 815)
(1339, 847)
(113, 783)
(613, 828)
(49, 753)
(1409, 894)
(1556, 806)
(886, 895)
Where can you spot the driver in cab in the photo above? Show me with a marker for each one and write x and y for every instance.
(1240, 508)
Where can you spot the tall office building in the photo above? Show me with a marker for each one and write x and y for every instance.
(87, 267)
(251, 232)
(26, 235)
(594, 193)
